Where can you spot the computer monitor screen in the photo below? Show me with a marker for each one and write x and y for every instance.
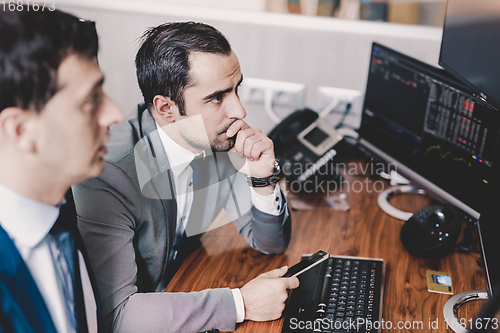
(469, 50)
(471, 45)
(430, 127)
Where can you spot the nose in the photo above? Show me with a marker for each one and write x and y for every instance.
(236, 110)
(111, 113)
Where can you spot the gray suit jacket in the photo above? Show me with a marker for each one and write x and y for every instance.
(127, 218)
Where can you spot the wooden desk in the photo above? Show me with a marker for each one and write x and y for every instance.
(226, 260)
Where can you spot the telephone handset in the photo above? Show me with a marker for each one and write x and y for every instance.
(304, 144)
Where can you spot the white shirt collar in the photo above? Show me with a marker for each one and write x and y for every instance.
(178, 156)
(26, 220)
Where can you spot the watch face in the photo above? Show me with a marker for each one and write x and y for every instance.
(277, 167)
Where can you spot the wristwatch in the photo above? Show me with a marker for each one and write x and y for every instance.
(263, 182)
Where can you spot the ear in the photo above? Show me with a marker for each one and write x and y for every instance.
(17, 127)
(165, 108)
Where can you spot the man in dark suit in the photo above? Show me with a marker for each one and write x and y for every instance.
(170, 171)
(54, 121)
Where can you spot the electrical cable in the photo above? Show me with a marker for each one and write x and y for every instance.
(344, 115)
(329, 108)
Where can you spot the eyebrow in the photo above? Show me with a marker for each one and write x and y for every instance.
(99, 83)
(221, 92)
(95, 86)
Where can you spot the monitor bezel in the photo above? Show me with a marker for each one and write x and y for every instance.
(430, 188)
(478, 92)
(433, 190)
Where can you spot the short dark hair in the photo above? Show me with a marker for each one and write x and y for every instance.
(162, 62)
(32, 47)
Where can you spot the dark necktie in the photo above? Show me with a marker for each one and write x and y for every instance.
(181, 245)
(65, 256)
(196, 173)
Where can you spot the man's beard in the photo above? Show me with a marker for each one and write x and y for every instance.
(220, 146)
(216, 145)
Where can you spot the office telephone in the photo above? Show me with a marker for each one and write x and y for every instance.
(304, 145)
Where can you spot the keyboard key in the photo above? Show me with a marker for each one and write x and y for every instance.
(353, 291)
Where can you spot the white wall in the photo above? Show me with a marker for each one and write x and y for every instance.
(255, 5)
(311, 50)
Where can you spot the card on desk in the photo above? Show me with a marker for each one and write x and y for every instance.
(439, 282)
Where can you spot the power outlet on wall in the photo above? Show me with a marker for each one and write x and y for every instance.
(329, 96)
(333, 107)
(278, 93)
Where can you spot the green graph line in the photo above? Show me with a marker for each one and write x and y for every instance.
(447, 154)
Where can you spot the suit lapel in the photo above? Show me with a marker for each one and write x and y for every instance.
(161, 184)
(21, 301)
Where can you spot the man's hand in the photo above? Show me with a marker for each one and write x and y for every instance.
(264, 297)
(255, 147)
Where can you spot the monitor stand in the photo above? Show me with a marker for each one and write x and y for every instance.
(450, 309)
(383, 200)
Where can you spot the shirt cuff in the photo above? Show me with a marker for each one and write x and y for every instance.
(270, 204)
(240, 306)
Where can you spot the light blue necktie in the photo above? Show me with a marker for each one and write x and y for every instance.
(65, 280)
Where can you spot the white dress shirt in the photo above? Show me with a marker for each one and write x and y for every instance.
(179, 159)
(28, 222)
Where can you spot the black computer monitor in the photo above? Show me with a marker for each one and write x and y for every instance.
(436, 132)
(469, 50)
(488, 232)
(471, 45)
(430, 127)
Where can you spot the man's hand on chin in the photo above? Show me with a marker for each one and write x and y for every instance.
(253, 153)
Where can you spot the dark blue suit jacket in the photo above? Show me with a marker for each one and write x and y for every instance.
(22, 308)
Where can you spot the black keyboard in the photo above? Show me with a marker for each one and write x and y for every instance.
(342, 294)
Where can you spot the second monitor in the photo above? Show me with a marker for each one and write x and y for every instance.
(430, 127)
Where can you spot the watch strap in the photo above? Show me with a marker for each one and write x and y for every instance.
(263, 182)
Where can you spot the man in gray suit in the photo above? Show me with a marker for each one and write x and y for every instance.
(170, 170)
